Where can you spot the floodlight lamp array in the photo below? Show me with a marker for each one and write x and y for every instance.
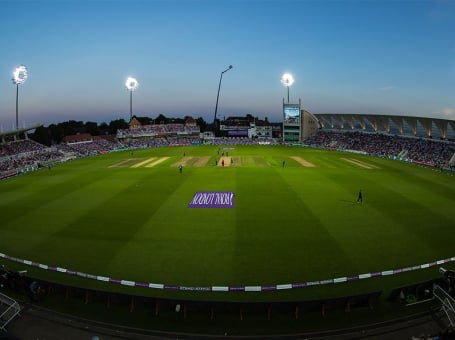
(20, 75)
(287, 79)
(131, 84)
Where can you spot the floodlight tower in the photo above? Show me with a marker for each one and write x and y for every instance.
(218, 95)
(287, 80)
(131, 85)
(20, 75)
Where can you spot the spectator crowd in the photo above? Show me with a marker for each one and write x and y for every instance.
(30, 155)
(154, 130)
(432, 152)
(26, 154)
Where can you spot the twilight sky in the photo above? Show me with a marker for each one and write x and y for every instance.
(371, 57)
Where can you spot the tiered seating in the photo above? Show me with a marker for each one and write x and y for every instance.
(143, 143)
(18, 147)
(154, 130)
(94, 147)
(416, 149)
(26, 154)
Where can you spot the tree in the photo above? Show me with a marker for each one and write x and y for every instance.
(201, 123)
(104, 128)
(144, 120)
(57, 132)
(41, 135)
(92, 128)
(114, 125)
(161, 119)
(72, 127)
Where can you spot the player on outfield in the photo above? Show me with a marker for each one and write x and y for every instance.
(360, 197)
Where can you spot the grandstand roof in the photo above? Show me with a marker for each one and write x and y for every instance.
(396, 125)
(18, 131)
(78, 137)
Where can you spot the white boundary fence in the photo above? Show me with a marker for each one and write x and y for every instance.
(225, 288)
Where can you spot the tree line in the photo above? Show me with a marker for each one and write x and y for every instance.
(54, 133)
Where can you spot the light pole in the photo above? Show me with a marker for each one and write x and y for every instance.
(20, 75)
(287, 80)
(131, 85)
(218, 96)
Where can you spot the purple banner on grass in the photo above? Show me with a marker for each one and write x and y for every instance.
(212, 199)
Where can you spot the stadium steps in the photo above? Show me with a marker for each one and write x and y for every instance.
(452, 160)
(403, 154)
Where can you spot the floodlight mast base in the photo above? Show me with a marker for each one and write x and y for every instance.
(131, 105)
(17, 106)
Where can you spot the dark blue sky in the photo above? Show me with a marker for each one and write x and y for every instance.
(378, 57)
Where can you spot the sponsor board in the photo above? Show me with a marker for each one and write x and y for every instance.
(212, 199)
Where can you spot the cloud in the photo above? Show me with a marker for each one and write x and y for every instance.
(447, 112)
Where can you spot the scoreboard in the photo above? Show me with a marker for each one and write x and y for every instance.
(292, 122)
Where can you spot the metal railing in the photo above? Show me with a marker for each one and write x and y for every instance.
(9, 308)
(448, 303)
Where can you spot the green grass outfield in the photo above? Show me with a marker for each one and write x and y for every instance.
(125, 216)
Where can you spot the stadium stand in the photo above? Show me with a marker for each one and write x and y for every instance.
(20, 156)
(430, 152)
(94, 147)
(25, 155)
(425, 127)
(139, 136)
(158, 130)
